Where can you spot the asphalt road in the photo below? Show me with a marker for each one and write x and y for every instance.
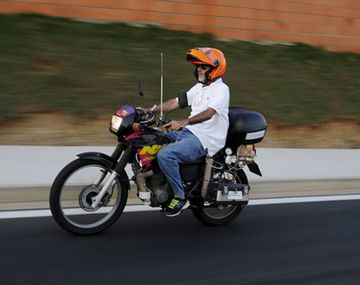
(306, 243)
(14, 198)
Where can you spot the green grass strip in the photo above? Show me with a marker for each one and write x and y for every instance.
(55, 64)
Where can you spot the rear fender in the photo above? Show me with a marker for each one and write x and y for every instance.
(254, 168)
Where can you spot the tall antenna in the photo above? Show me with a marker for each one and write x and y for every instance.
(161, 86)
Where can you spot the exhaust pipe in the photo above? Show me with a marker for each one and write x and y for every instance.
(144, 192)
(207, 176)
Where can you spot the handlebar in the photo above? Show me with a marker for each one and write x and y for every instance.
(149, 118)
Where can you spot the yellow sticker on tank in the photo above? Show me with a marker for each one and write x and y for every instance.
(151, 149)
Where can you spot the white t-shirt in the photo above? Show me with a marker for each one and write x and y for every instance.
(211, 133)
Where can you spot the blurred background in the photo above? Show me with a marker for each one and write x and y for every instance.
(67, 65)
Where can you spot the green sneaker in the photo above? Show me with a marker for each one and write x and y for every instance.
(176, 206)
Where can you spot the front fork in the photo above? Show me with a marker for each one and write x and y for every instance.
(119, 167)
(96, 199)
(115, 157)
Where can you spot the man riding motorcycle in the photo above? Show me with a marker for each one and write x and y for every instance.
(205, 130)
(90, 193)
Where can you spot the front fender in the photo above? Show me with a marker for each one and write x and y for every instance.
(98, 156)
(107, 161)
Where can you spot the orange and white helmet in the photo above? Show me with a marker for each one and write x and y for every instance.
(208, 56)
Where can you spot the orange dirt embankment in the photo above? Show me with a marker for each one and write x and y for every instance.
(60, 129)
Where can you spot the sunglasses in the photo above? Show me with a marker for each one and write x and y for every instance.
(203, 66)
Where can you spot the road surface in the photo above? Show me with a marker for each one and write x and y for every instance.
(305, 243)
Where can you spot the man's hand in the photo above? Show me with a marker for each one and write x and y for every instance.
(177, 125)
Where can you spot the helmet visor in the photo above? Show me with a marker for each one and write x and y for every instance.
(200, 56)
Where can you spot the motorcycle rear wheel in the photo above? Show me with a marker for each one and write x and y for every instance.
(71, 193)
(220, 216)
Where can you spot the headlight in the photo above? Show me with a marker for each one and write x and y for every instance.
(115, 123)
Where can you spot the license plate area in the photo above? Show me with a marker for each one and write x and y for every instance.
(233, 193)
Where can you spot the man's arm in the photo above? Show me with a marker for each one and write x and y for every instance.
(168, 106)
(201, 117)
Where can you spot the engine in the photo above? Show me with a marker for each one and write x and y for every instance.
(159, 187)
(152, 187)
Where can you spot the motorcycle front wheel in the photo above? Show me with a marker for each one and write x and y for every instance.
(220, 215)
(71, 197)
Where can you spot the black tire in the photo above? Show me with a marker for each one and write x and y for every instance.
(203, 215)
(59, 213)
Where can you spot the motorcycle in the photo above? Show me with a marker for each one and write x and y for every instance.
(90, 193)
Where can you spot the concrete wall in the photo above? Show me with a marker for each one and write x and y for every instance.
(333, 24)
(39, 165)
